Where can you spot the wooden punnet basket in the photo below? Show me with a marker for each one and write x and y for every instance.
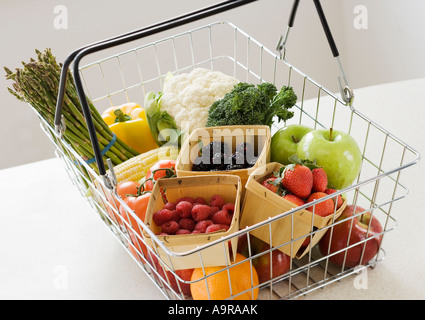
(258, 136)
(187, 251)
(294, 224)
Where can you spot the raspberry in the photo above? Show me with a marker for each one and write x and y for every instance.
(229, 207)
(197, 231)
(201, 212)
(225, 227)
(170, 227)
(170, 206)
(200, 200)
(162, 216)
(187, 223)
(214, 228)
(176, 216)
(222, 217)
(183, 231)
(214, 209)
(184, 209)
(189, 199)
(217, 200)
(202, 225)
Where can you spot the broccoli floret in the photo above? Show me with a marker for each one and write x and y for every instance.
(248, 104)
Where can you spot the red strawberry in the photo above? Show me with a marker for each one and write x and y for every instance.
(294, 199)
(298, 179)
(323, 208)
(320, 180)
(269, 184)
(338, 199)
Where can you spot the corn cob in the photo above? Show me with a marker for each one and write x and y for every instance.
(135, 169)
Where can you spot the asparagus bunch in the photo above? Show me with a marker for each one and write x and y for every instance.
(37, 83)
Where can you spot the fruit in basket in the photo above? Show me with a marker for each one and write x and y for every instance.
(249, 104)
(294, 199)
(284, 142)
(137, 246)
(217, 156)
(128, 121)
(278, 262)
(194, 215)
(336, 151)
(184, 101)
(163, 168)
(356, 227)
(297, 179)
(320, 180)
(122, 189)
(168, 277)
(323, 208)
(337, 199)
(138, 204)
(271, 184)
(222, 283)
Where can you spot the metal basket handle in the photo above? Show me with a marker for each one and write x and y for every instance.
(346, 92)
(78, 54)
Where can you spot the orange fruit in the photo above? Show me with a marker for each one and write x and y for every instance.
(216, 286)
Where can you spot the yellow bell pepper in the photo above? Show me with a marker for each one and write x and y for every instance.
(129, 123)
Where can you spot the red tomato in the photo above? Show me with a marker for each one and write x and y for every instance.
(138, 204)
(137, 247)
(163, 168)
(123, 189)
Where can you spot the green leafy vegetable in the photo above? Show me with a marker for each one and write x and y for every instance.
(248, 104)
(162, 125)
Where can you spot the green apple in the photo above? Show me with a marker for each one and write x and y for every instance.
(336, 151)
(284, 142)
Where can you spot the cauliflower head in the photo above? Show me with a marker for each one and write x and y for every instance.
(187, 97)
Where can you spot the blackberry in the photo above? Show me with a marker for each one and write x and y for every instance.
(218, 161)
(200, 165)
(213, 147)
(245, 148)
(234, 166)
(251, 161)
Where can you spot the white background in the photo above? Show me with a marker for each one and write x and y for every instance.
(391, 48)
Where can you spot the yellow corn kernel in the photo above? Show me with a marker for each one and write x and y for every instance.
(135, 169)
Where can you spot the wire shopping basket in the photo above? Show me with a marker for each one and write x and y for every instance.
(127, 75)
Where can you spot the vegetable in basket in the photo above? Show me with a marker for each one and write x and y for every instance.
(248, 104)
(129, 123)
(184, 102)
(37, 83)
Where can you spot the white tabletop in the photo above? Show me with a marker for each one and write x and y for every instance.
(54, 246)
